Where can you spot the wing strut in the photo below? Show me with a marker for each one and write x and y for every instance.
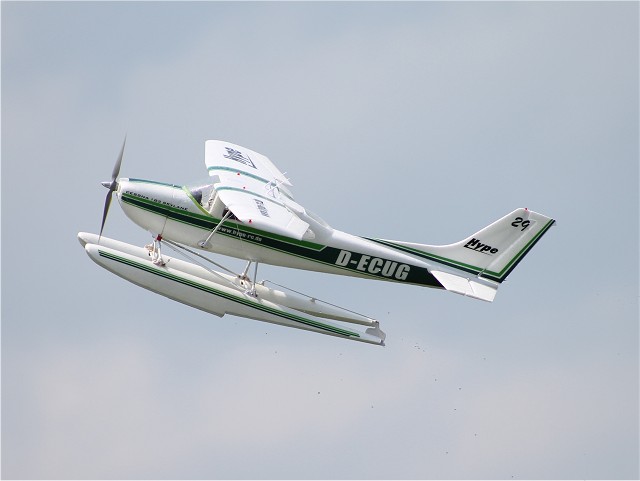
(205, 243)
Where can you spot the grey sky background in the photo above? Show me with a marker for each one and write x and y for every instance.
(412, 121)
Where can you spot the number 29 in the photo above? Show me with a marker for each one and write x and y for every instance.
(520, 222)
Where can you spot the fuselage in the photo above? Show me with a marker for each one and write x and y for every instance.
(188, 215)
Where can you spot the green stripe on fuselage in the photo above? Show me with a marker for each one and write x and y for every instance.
(491, 275)
(208, 222)
(432, 257)
(306, 250)
(155, 182)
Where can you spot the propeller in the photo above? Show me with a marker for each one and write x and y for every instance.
(112, 185)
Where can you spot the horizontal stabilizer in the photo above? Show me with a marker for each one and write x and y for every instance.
(466, 286)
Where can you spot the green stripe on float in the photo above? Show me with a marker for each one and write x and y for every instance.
(231, 297)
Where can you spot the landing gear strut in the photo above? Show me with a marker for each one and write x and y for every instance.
(244, 278)
(155, 251)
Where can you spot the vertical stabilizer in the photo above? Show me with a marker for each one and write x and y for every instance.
(493, 252)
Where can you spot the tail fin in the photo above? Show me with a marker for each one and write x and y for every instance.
(496, 250)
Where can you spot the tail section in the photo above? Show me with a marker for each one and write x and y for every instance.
(489, 255)
(493, 252)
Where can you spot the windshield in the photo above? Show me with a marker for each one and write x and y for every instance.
(201, 191)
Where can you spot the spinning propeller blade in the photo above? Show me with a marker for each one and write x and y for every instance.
(112, 186)
(116, 168)
(107, 203)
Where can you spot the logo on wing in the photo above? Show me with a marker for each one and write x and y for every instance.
(261, 207)
(238, 156)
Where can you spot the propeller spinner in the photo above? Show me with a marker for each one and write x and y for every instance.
(112, 185)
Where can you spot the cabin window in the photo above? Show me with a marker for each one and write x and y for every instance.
(202, 193)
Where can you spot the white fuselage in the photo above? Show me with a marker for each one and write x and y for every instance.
(173, 212)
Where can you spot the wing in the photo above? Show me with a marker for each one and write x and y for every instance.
(253, 189)
(225, 158)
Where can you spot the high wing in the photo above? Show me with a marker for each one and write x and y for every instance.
(253, 189)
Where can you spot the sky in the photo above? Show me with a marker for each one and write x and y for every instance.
(416, 121)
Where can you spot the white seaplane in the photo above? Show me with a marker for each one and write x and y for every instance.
(245, 209)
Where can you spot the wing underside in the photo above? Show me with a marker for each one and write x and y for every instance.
(253, 189)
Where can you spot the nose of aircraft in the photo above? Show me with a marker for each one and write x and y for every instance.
(145, 201)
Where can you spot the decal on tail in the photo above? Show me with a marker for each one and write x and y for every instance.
(493, 252)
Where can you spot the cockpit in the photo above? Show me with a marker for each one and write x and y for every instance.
(199, 191)
(205, 195)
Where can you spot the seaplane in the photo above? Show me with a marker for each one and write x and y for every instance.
(245, 209)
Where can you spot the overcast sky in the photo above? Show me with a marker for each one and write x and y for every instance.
(412, 121)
